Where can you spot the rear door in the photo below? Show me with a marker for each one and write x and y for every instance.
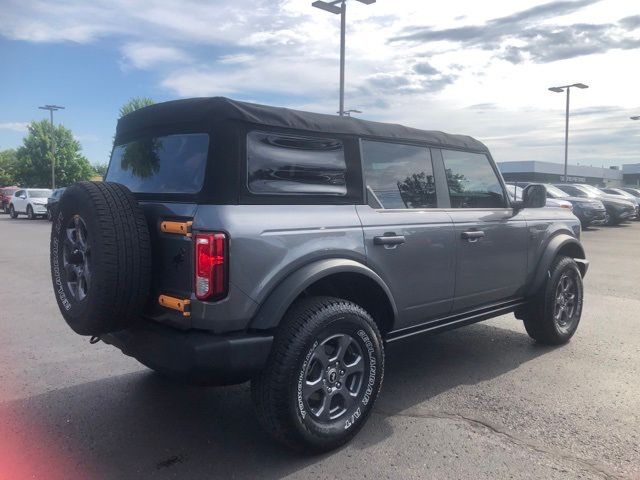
(408, 241)
(491, 242)
(166, 173)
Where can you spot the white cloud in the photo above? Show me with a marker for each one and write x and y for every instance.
(14, 126)
(144, 56)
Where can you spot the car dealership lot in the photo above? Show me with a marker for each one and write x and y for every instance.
(479, 402)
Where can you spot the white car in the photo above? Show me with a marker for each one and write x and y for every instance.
(30, 201)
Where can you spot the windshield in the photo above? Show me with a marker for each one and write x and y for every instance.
(556, 192)
(39, 193)
(171, 164)
(617, 191)
(592, 189)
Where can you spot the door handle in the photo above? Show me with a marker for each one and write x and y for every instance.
(473, 235)
(389, 240)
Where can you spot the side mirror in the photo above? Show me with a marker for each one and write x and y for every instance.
(534, 196)
(23, 197)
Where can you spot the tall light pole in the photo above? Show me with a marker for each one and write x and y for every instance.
(339, 7)
(52, 108)
(566, 125)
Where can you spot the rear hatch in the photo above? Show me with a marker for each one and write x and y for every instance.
(166, 173)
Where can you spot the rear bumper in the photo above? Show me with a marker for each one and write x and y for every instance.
(194, 355)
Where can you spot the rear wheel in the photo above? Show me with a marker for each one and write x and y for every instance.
(554, 316)
(323, 375)
(12, 212)
(49, 215)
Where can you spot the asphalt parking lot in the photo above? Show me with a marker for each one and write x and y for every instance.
(479, 402)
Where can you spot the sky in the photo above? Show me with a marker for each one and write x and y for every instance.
(469, 67)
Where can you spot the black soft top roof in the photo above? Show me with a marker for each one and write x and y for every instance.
(219, 109)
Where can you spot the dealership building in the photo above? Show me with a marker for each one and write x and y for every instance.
(549, 172)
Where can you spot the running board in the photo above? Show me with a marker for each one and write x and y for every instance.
(455, 321)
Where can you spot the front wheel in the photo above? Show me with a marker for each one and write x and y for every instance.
(30, 214)
(555, 315)
(12, 212)
(323, 375)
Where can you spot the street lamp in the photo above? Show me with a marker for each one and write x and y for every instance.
(339, 7)
(347, 113)
(52, 108)
(566, 126)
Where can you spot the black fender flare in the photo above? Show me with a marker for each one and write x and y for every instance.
(278, 301)
(557, 243)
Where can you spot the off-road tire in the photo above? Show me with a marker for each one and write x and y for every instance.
(12, 212)
(540, 318)
(49, 215)
(106, 218)
(277, 391)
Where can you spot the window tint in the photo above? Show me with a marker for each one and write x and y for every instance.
(398, 176)
(280, 163)
(171, 164)
(472, 182)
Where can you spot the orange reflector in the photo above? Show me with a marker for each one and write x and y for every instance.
(179, 228)
(179, 304)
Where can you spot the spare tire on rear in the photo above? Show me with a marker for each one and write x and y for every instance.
(100, 257)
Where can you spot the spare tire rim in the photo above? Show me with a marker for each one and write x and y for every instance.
(566, 301)
(334, 377)
(77, 258)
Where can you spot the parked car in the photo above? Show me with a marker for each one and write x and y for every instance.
(5, 197)
(627, 195)
(633, 191)
(29, 201)
(590, 211)
(516, 192)
(52, 202)
(617, 210)
(311, 242)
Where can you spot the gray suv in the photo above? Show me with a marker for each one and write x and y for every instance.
(234, 242)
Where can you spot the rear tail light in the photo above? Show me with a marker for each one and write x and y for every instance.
(211, 266)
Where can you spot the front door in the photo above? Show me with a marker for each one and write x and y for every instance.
(19, 203)
(491, 241)
(408, 242)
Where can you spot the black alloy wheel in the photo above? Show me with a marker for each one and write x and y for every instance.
(76, 259)
(333, 378)
(566, 301)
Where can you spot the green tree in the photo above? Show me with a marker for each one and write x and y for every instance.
(7, 167)
(101, 169)
(140, 156)
(33, 167)
(134, 104)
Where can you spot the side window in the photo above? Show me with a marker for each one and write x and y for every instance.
(279, 163)
(19, 193)
(398, 176)
(472, 181)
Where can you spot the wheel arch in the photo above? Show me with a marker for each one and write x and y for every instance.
(560, 244)
(343, 278)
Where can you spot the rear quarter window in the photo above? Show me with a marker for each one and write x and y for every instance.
(167, 164)
(279, 163)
